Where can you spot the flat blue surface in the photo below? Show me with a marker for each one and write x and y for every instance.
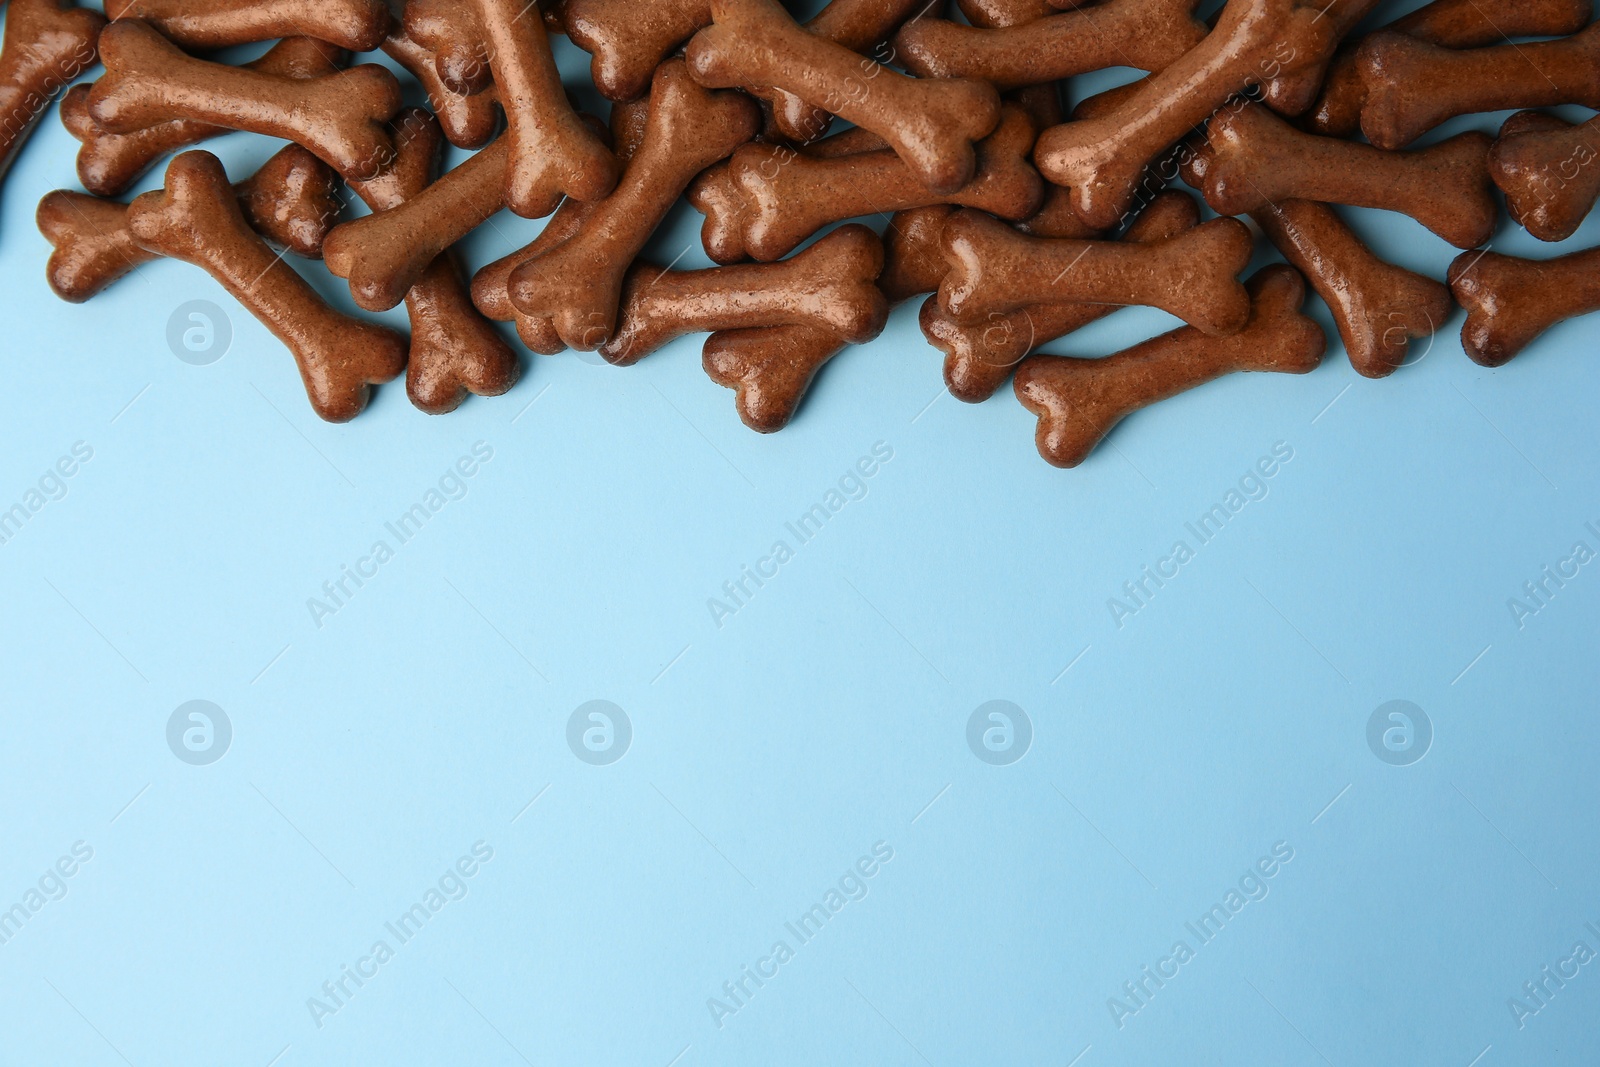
(825, 719)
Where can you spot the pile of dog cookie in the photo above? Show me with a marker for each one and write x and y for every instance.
(1019, 222)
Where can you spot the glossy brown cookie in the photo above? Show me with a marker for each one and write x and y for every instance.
(1259, 159)
(343, 117)
(196, 218)
(1079, 401)
(47, 43)
(359, 25)
(980, 357)
(830, 286)
(1101, 159)
(108, 163)
(932, 124)
(1549, 170)
(995, 269)
(578, 285)
(1511, 301)
(292, 201)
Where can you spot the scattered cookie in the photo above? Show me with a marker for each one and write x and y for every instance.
(1079, 401)
(1511, 301)
(1549, 170)
(197, 219)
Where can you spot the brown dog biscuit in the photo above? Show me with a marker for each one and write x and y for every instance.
(196, 218)
(1293, 94)
(454, 350)
(1413, 86)
(932, 124)
(913, 252)
(1449, 24)
(1101, 159)
(1145, 34)
(342, 118)
(1079, 401)
(1379, 308)
(1194, 275)
(359, 25)
(291, 201)
(769, 369)
(1055, 217)
(468, 121)
(719, 198)
(979, 358)
(830, 286)
(578, 285)
(786, 203)
(1259, 159)
(45, 46)
(1510, 301)
(108, 163)
(550, 144)
(629, 40)
(1549, 170)
(862, 26)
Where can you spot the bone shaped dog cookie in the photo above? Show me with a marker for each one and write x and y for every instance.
(1413, 86)
(468, 120)
(196, 218)
(786, 204)
(291, 201)
(1511, 301)
(629, 40)
(1449, 24)
(717, 196)
(979, 358)
(1101, 159)
(1258, 159)
(46, 45)
(359, 25)
(931, 123)
(578, 285)
(454, 350)
(548, 142)
(1079, 401)
(830, 286)
(1549, 170)
(862, 26)
(1146, 34)
(342, 117)
(108, 163)
(1378, 307)
(1194, 275)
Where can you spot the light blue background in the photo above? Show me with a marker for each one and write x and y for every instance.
(827, 715)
